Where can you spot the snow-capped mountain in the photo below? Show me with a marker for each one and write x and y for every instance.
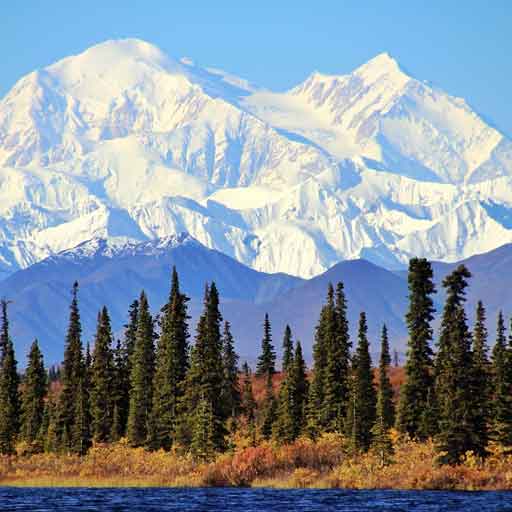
(127, 144)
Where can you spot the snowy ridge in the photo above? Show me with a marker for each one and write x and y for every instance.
(125, 144)
(113, 248)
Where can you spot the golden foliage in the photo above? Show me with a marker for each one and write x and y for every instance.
(324, 463)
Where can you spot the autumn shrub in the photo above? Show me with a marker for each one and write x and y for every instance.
(304, 463)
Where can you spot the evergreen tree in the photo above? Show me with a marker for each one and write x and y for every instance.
(102, 380)
(72, 375)
(4, 330)
(171, 366)
(205, 378)
(299, 391)
(230, 396)
(459, 431)
(120, 399)
(9, 393)
(387, 407)
(381, 441)
(51, 438)
(321, 410)
(501, 427)
(122, 362)
(81, 433)
(130, 332)
(287, 348)
(337, 366)
(42, 435)
(204, 443)
(34, 392)
(248, 402)
(482, 376)
(361, 406)
(282, 427)
(268, 410)
(267, 359)
(415, 416)
(141, 377)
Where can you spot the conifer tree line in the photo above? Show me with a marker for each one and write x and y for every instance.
(162, 387)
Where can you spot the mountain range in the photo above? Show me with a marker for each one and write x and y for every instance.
(125, 144)
(114, 273)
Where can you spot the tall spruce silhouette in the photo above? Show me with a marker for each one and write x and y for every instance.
(203, 416)
(267, 358)
(459, 430)
(172, 362)
(287, 349)
(73, 373)
(9, 393)
(33, 395)
(501, 423)
(361, 405)
(141, 377)
(102, 375)
(415, 416)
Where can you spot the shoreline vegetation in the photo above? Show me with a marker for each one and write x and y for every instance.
(155, 409)
(322, 464)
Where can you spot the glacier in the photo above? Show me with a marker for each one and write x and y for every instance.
(127, 144)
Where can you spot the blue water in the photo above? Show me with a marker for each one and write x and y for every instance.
(249, 500)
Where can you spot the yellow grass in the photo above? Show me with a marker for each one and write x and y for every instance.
(324, 464)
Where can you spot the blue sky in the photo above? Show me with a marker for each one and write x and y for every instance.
(465, 46)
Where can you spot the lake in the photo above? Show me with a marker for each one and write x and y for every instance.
(247, 500)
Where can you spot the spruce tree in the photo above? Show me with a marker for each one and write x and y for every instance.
(119, 398)
(130, 332)
(459, 430)
(204, 443)
(267, 358)
(32, 404)
(287, 349)
(501, 424)
(102, 380)
(283, 428)
(248, 402)
(482, 376)
(42, 435)
(4, 329)
(205, 377)
(268, 414)
(51, 437)
(171, 366)
(214, 366)
(122, 362)
(337, 366)
(266, 368)
(80, 439)
(300, 387)
(322, 409)
(9, 393)
(415, 416)
(141, 377)
(361, 405)
(72, 375)
(381, 441)
(387, 407)
(230, 396)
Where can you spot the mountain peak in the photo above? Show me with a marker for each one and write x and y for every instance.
(123, 48)
(381, 65)
(111, 248)
(111, 55)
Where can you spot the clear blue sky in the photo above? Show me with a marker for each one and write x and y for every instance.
(465, 46)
